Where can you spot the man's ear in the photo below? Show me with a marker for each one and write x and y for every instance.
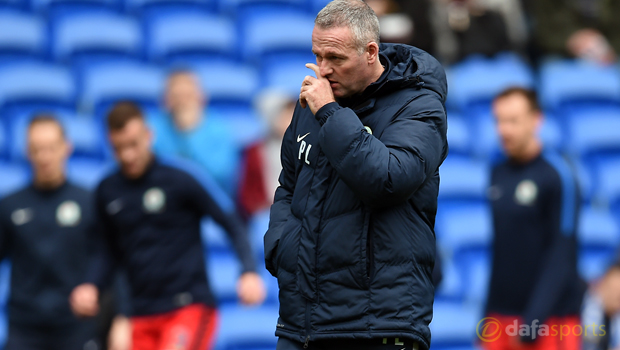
(373, 52)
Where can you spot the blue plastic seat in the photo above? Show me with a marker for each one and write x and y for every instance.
(95, 33)
(227, 81)
(12, 5)
(155, 7)
(55, 8)
(459, 135)
(608, 180)
(287, 74)
(240, 8)
(107, 83)
(566, 83)
(12, 177)
(245, 327)
(593, 262)
(275, 33)
(594, 133)
(463, 178)
(477, 80)
(224, 270)
(190, 33)
(454, 324)
(474, 267)
(21, 33)
(87, 172)
(34, 82)
(462, 226)
(597, 228)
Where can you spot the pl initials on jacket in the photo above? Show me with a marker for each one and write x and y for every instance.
(351, 234)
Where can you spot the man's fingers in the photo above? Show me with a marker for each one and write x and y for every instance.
(316, 70)
(308, 80)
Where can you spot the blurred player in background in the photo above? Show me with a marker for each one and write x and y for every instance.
(45, 230)
(190, 130)
(150, 213)
(535, 202)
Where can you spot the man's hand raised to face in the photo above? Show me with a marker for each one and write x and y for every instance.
(315, 92)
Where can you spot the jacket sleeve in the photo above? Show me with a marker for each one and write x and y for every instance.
(281, 207)
(386, 171)
(211, 201)
(556, 273)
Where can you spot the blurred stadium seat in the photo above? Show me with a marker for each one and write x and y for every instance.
(287, 73)
(474, 268)
(21, 35)
(36, 83)
(598, 229)
(110, 82)
(81, 36)
(241, 8)
(226, 81)
(12, 177)
(593, 262)
(569, 83)
(223, 270)
(454, 324)
(493, 75)
(56, 8)
(588, 138)
(464, 226)
(463, 179)
(87, 172)
(149, 8)
(247, 328)
(180, 35)
(459, 135)
(267, 34)
(608, 180)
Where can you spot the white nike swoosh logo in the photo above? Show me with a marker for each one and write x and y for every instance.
(299, 138)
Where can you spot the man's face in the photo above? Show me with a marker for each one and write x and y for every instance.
(132, 147)
(340, 62)
(517, 123)
(183, 92)
(47, 151)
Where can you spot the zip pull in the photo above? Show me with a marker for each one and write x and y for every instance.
(307, 341)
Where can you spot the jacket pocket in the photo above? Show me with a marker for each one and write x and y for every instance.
(288, 248)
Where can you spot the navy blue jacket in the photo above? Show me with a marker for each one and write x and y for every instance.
(351, 233)
(535, 216)
(151, 227)
(46, 234)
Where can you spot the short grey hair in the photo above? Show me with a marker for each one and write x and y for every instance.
(353, 14)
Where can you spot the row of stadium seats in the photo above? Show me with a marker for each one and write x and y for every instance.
(139, 6)
(162, 38)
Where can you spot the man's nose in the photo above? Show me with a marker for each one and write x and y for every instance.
(325, 69)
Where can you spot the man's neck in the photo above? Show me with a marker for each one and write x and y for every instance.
(533, 150)
(49, 184)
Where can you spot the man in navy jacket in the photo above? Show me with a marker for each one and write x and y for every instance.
(150, 211)
(44, 230)
(351, 233)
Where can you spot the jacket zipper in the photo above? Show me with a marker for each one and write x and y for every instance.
(369, 246)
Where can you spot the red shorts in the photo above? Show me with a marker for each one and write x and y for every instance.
(502, 333)
(189, 328)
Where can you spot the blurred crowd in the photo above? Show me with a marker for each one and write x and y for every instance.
(454, 29)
